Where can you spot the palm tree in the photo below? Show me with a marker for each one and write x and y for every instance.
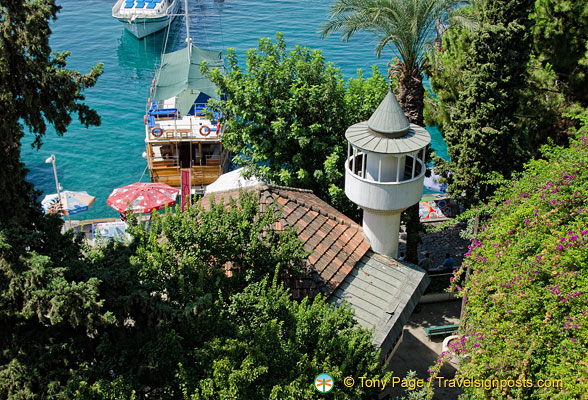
(409, 27)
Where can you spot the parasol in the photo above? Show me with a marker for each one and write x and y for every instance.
(71, 202)
(142, 198)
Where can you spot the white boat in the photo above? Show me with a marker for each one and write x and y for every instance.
(144, 17)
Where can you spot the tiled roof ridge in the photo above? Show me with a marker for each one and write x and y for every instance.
(260, 187)
(280, 190)
(312, 207)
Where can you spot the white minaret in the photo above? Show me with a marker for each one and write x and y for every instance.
(385, 171)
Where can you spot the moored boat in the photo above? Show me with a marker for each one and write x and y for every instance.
(183, 137)
(144, 17)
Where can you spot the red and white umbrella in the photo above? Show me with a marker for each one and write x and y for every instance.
(143, 198)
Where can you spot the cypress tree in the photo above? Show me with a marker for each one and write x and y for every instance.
(37, 91)
(482, 135)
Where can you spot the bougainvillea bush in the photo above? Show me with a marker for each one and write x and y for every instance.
(526, 317)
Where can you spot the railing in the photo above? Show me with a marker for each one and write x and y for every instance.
(413, 168)
(174, 161)
(134, 12)
(169, 170)
(200, 175)
(166, 124)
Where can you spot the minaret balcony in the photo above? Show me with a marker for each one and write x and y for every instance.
(383, 181)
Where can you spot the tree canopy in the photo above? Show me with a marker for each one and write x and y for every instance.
(483, 135)
(193, 307)
(405, 27)
(551, 88)
(560, 35)
(36, 91)
(526, 316)
(286, 115)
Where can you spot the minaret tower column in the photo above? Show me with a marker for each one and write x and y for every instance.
(385, 171)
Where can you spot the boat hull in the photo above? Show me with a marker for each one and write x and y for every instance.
(141, 24)
(143, 27)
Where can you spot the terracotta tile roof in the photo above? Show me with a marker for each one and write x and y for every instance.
(336, 241)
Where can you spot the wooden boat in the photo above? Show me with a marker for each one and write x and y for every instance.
(183, 137)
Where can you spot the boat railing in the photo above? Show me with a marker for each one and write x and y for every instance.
(203, 131)
(200, 174)
(156, 109)
(168, 124)
(157, 160)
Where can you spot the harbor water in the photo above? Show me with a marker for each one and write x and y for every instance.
(99, 159)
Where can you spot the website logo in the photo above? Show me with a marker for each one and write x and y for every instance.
(323, 383)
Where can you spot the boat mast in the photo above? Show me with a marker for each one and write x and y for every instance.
(188, 40)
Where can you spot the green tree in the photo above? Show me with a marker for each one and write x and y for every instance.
(36, 91)
(525, 316)
(197, 318)
(48, 318)
(407, 27)
(274, 347)
(167, 283)
(446, 66)
(286, 115)
(556, 71)
(560, 39)
(483, 134)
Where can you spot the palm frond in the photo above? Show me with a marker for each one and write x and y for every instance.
(464, 17)
(406, 25)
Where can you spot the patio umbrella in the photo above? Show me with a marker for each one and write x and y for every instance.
(71, 202)
(143, 198)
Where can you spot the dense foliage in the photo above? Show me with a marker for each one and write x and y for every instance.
(483, 135)
(560, 37)
(526, 315)
(48, 319)
(286, 115)
(554, 84)
(36, 91)
(184, 310)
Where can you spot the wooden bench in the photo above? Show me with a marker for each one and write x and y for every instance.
(440, 330)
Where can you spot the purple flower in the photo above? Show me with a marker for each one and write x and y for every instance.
(559, 247)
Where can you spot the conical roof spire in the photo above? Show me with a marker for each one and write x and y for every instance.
(389, 119)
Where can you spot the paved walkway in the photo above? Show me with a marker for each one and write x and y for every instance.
(439, 243)
(418, 353)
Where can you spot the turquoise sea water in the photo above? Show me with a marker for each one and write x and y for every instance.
(102, 158)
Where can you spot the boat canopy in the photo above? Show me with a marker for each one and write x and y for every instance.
(178, 78)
